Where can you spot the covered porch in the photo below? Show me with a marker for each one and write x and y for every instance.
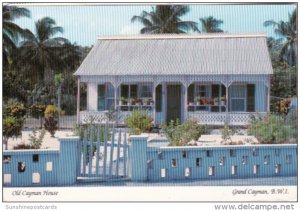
(211, 100)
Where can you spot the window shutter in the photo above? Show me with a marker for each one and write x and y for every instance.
(124, 91)
(101, 94)
(191, 93)
(215, 88)
(158, 98)
(250, 97)
(133, 91)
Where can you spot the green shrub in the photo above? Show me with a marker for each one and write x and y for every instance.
(22, 146)
(139, 122)
(36, 142)
(37, 110)
(271, 130)
(15, 109)
(12, 127)
(181, 134)
(52, 111)
(51, 125)
(227, 132)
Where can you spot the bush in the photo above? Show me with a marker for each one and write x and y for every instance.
(12, 127)
(182, 134)
(36, 142)
(51, 119)
(283, 106)
(23, 146)
(139, 122)
(37, 110)
(51, 125)
(15, 109)
(227, 132)
(51, 111)
(271, 130)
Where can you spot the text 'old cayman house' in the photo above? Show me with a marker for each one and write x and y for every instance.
(214, 78)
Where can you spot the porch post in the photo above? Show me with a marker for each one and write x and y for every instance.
(268, 93)
(115, 95)
(185, 114)
(78, 100)
(227, 103)
(154, 102)
(164, 99)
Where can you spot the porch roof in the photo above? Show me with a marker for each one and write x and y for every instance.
(203, 54)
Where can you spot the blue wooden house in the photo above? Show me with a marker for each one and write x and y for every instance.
(213, 78)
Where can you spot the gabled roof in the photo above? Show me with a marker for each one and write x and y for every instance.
(203, 54)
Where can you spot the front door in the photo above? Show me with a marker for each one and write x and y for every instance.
(173, 102)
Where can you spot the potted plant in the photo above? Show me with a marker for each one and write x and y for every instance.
(123, 101)
(190, 103)
(149, 101)
(138, 102)
(203, 101)
(133, 101)
(216, 101)
(223, 101)
(197, 100)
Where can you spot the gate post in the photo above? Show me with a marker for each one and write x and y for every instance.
(68, 159)
(138, 157)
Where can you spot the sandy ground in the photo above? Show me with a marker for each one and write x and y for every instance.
(53, 143)
(48, 143)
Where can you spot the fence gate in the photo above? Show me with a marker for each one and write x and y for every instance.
(103, 155)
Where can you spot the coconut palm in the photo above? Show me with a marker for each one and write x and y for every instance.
(164, 19)
(41, 52)
(288, 37)
(10, 30)
(211, 25)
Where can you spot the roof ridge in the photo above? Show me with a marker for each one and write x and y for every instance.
(182, 36)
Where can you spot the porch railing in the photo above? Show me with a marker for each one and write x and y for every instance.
(219, 118)
(96, 117)
(100, 117)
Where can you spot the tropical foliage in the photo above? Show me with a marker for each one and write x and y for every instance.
(10, 30)
(165, 19)
(272, 129)
(51, 119)
(13, 120)
(138, 122)
(183, 134)
(211, 24)
(36, 140)
(288, 37)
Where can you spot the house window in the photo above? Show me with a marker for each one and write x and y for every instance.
(136, 91)
(106, 97)
(109, 96)
(158, 100)
(238, 98)
(201, 91)
(145, 90)
(251, 97)
(101, 96)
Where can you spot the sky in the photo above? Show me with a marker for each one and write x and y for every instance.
(84, 23)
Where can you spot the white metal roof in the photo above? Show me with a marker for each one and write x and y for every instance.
(203, 54)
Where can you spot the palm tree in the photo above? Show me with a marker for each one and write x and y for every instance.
(11, 31)
(288, 37)
(41, 52)
(211, 25)
(164, 19)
